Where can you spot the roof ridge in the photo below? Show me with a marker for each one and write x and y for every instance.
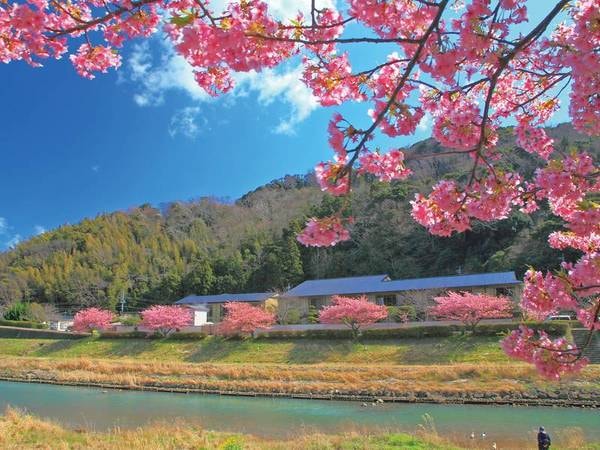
(383, 275)
(456, 276)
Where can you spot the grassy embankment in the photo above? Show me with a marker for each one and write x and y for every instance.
(434, 369)
(22, 432)
(457, 349)
(19, 431)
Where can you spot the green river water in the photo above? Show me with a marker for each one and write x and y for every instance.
(283, 418)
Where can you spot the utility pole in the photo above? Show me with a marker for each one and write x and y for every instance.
(123, 301)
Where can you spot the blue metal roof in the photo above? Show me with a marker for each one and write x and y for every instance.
(382, 283)
(332, 286)
(222, 298)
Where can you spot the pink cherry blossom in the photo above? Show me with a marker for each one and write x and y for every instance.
(164, 319)
(470, 66)
(323, 232)
(243, 318)
(352, 312)
(470, 308)
(92, 319)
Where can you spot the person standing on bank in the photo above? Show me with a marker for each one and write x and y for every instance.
(543, 439)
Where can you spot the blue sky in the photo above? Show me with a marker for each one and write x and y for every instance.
(74, 148)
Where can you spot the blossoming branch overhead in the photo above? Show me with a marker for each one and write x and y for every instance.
(469, 65)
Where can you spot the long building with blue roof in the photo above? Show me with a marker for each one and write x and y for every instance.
(381, 289)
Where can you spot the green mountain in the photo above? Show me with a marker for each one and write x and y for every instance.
(158, 254)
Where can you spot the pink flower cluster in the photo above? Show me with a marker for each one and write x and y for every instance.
(243, 318)
(386, 167)
(88, 60)
(534, 140)
(480, 73)
(353, 312)
(545, 295)
(552, 358)
(332, 81)
(323, 232)
(92, 319)
(450, 208)
(332, 179)
(165, 319)
(470, 308)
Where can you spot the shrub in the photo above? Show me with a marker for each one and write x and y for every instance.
(17, 311)
(387, 333)
(291, 317)
(556, 328)
(23, 324)
(130, 320)
(29, 333)
(409, 311)
(124, 335)
(37, 313)
(188, 336)
(313, 315)
(401, 314)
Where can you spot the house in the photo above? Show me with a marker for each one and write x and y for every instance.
(380, 289)
(60, 324)
(212, 305)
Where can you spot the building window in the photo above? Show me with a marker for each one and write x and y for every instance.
(504, 292)
(387, 300)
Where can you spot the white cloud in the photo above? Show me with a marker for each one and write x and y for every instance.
(13, 241)
(154, 78)
(185, 122)
(282, 9)
(38, 229)
(425, 123)
(3, 225)
(286, 86)
(156, 75)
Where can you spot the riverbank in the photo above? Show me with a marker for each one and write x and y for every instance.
(20, 431)
(513, 384)
(405, 351)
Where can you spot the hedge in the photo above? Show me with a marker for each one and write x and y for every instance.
(30, 333)
(183, 336)
(413, 332)
(23, 324)
(125, 335)
(552, 328)
(556, 328)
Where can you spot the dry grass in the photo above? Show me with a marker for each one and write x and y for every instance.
(21, 432)
(324, 379)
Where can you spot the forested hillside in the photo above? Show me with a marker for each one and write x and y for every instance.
(159, 254)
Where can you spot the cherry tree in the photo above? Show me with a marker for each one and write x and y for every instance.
(470, 66)
(243, 318)
(354, 312)
(91, 319)
(470, 308)
(165, 319)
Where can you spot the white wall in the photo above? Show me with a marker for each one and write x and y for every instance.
(200, 318)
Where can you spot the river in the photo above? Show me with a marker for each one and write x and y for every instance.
(98, 409)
